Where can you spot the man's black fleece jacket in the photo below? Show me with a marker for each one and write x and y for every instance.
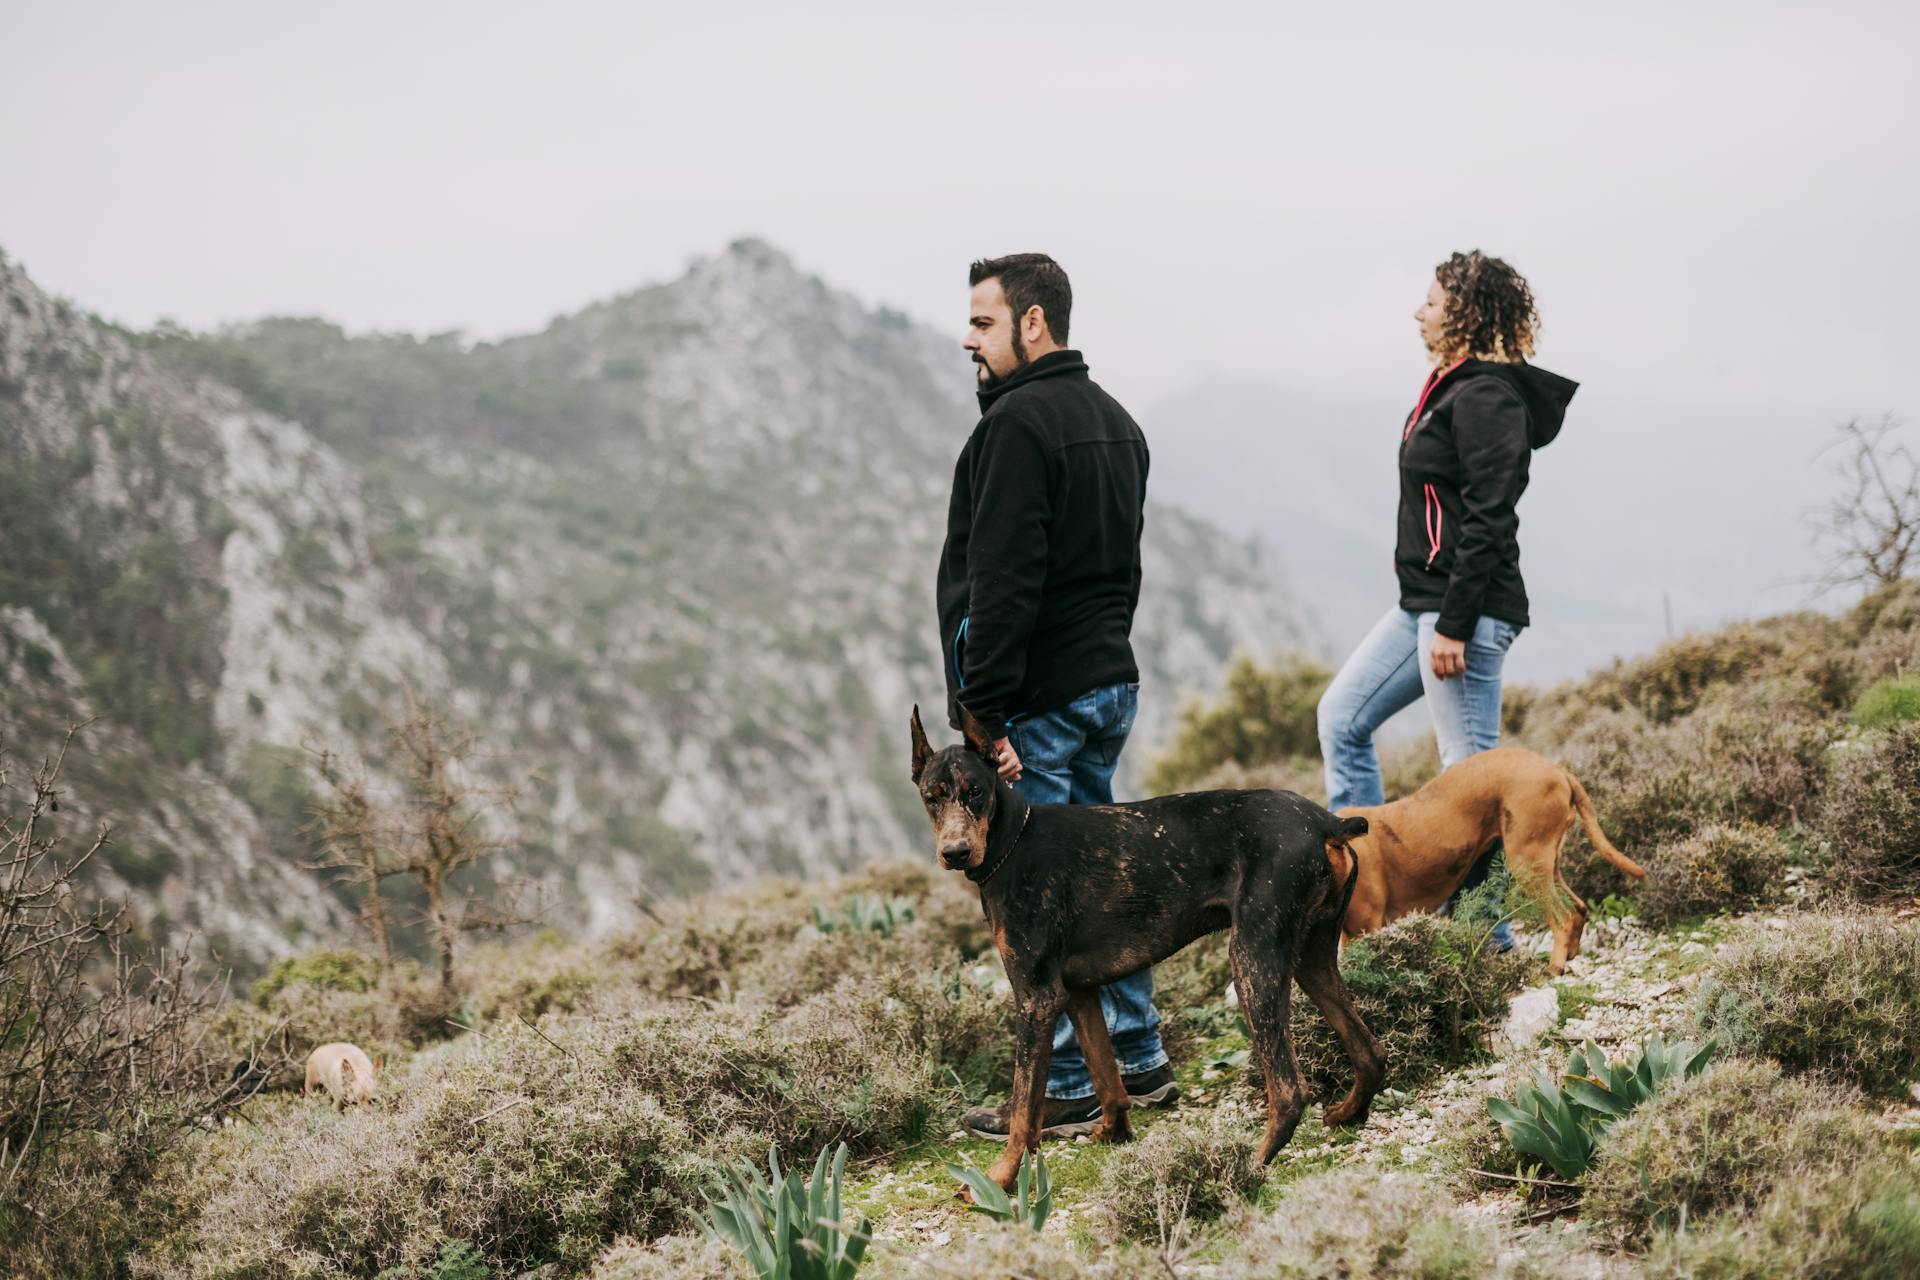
(1041, 569)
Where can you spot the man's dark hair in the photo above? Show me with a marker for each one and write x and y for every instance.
(1030, 280)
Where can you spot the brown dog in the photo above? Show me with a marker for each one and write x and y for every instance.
(1417, 851)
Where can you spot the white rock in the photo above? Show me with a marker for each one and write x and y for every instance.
(1530, 1016)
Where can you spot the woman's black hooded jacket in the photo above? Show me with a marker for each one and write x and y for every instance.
(1464, 453)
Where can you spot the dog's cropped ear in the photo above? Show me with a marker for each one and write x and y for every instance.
(976, 735)
(921, 751)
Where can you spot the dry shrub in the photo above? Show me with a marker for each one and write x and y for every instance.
(1720, 1142)
(1822, 993)
(1006, 1251)
(1355, 1222)
(1857, 1219)
(533, 1153)
(1681, 674)
(756, 944)
(1886, 626)
(1725, 866)
(543, 975)
(1263, 716)
(406, 1013)
(1751, 752)
(1428, 989)
(867, 1066)
(1869, 818)
(672, 1258)
(104, 1060)
(1190, 1166)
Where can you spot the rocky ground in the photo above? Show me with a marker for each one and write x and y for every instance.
(1629, 983)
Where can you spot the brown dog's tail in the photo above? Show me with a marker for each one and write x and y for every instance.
(1599, 837)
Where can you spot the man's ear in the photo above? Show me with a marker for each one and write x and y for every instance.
(976, 735)
(1033, 325)
(921, 751)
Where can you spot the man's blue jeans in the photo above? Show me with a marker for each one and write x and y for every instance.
(1391, 670)
(1067, 756)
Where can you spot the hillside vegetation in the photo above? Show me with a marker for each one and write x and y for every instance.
(575, 1102)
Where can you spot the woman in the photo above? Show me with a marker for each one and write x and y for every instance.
(1464, 453)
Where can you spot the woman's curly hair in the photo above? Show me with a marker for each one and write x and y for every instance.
(1489, 311)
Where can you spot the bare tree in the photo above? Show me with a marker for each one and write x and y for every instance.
(96, 1036)
(439, 818)
(350, 840)
(1869, 532)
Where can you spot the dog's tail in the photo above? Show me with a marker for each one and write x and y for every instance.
(1344, 832)
(1599, 837)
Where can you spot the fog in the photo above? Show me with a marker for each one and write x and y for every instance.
(1715, 204)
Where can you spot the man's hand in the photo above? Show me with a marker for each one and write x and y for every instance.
(1449, 657)
(1008, 760)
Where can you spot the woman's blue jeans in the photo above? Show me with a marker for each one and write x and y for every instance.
(1067, 756)
(1391, 670)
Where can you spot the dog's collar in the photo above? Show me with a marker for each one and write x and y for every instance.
(1025, 813)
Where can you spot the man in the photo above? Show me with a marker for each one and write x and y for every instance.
(1037, 588)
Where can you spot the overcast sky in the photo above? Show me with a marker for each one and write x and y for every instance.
(1716, 203)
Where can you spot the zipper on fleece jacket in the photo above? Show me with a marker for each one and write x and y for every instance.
(1436, 517)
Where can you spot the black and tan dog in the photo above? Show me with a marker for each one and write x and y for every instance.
(1080, 895)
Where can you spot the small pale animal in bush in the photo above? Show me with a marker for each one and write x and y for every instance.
(345, 1072)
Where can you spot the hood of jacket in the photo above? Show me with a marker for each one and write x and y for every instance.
(1545, 394)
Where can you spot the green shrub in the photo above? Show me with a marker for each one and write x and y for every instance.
(1854, 1220)
(1888, 702)
(1428, 989)
(1721, 867)
(1720, 1142)
(1869, 817)
(1360, 1222)
(1264, 715)
(1191, 1165)
(320, 971)
(1823, 994)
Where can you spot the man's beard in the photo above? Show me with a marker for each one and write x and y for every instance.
(1020, 361)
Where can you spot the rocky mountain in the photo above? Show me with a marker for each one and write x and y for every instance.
(672, 554)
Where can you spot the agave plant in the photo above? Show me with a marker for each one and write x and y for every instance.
(788, 1227)
(1612, 1090)
(1560, 1123)
(865, 913)
(1031, 1201)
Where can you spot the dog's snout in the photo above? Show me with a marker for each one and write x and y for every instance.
(954, 852)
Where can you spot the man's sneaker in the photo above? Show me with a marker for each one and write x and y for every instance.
(1071, 1117)
(1152, 1088)
(1059, 1118)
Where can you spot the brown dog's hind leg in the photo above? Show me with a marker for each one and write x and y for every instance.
(1090, 1025)
(1035, 1015)
(1264, 986)
(1319, 976)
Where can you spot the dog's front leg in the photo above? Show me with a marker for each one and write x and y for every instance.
(1036, 1012)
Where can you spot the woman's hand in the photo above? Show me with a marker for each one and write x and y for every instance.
(1449, 657)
